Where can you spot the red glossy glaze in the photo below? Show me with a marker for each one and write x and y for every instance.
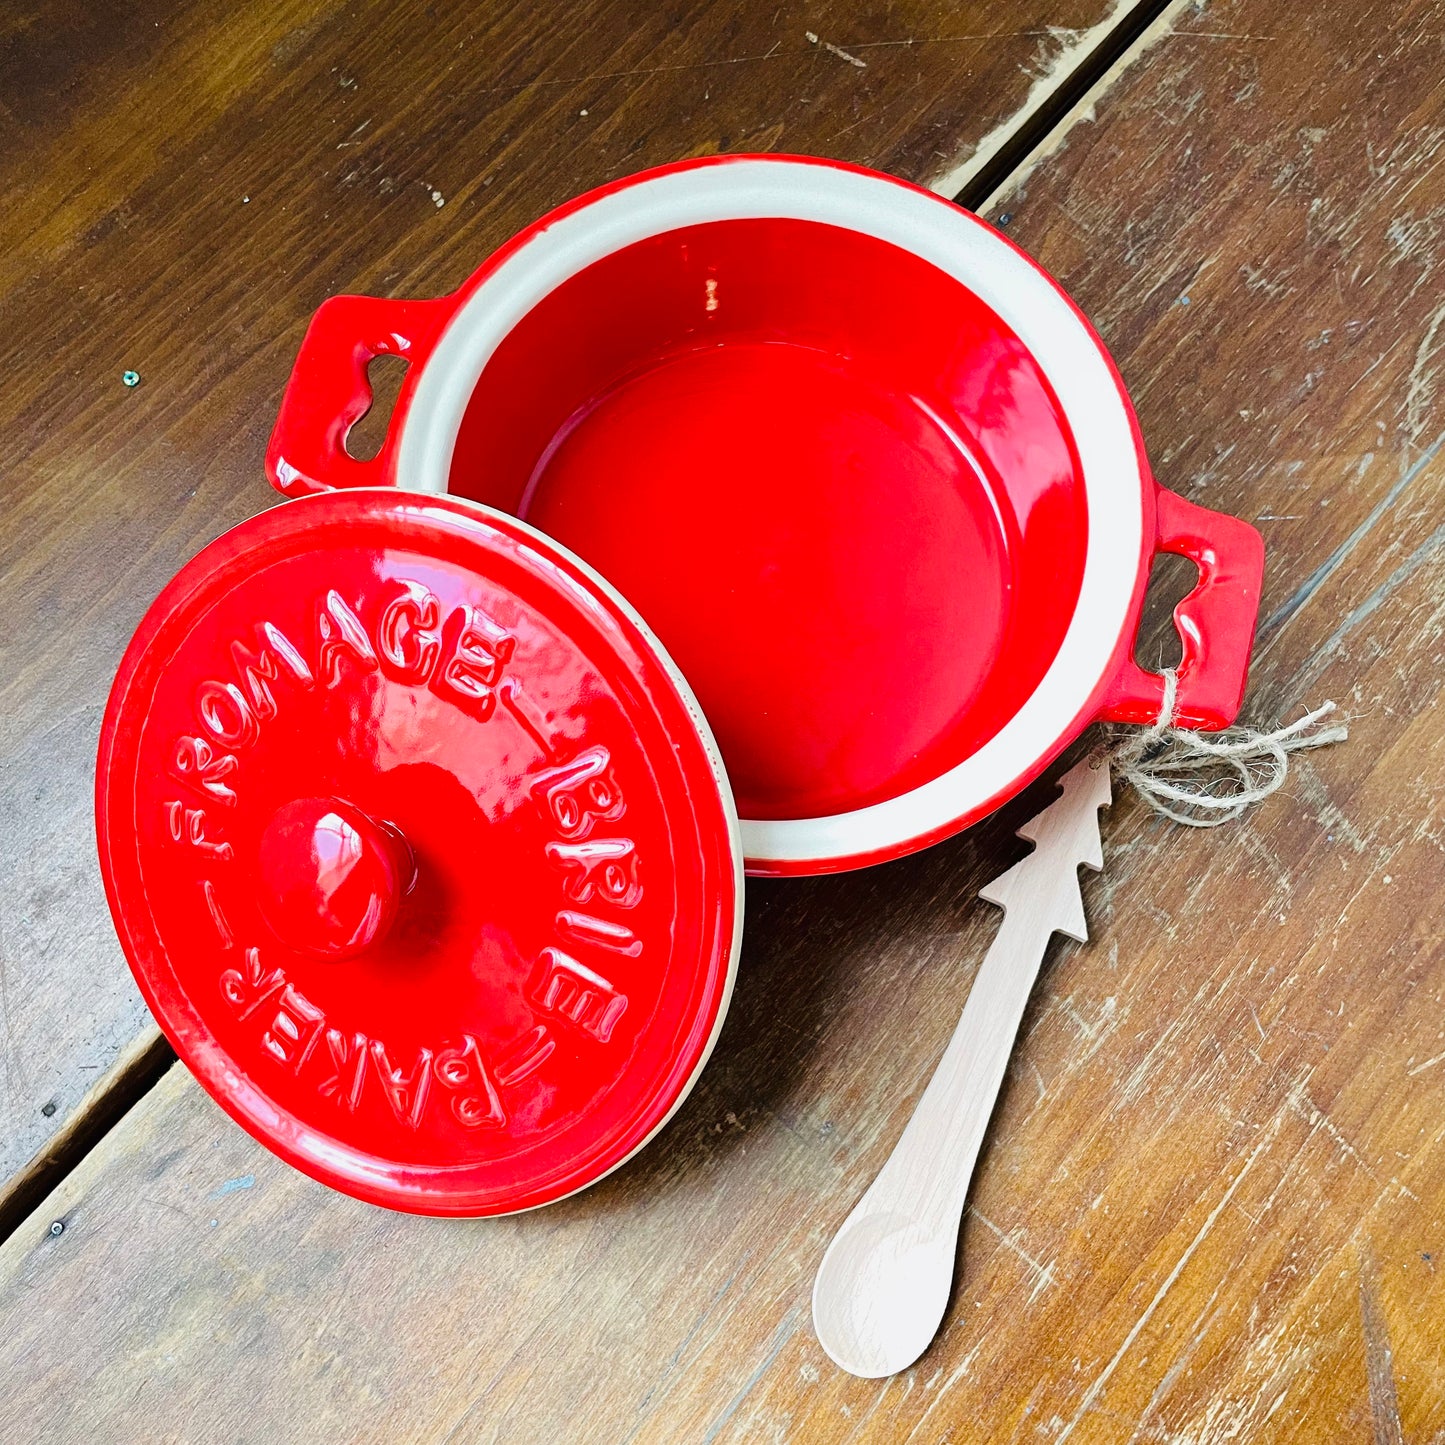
(328, 393)
(328, 878)
(830, 476)
(1215, 621)
(343, 693)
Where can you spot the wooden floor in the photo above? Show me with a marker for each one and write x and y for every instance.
(1212, 1203)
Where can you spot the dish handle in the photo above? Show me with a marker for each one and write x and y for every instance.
(328, 392)
(1215, 621)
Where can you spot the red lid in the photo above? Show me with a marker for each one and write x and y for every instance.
(419, 850)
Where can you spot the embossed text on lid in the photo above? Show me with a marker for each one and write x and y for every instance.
(417, 852)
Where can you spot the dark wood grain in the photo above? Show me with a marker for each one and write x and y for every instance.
(1212, 1205)
(181, 187)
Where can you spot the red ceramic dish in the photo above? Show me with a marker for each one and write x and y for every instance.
(863, 467)
(860, 463)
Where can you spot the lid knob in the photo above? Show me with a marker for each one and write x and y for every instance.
(330, 877)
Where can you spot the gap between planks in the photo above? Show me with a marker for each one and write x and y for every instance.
(139, 1067)
(1083, 69)
(1060, 98)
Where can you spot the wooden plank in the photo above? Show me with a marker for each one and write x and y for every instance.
(181, 189)
(1213, 1200)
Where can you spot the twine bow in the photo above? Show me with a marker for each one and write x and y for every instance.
(1205, 779)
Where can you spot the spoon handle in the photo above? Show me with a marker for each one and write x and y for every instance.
(883, 1286)
(931, 1166)
(884, 1283)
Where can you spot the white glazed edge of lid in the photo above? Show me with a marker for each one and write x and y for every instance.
(958, 244)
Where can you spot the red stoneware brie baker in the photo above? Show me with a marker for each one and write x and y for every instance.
(411, 815)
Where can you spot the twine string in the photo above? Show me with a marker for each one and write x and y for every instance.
(1205, 779)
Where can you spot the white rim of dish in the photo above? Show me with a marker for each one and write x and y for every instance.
(958, 244)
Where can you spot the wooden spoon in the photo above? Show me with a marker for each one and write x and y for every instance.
(884, 1283)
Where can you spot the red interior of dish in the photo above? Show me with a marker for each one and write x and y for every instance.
(828, 476)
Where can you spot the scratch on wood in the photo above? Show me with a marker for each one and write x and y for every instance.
(1428, 1064)
(1131, 1090)
(351, 139)
(1097, 1388)
(836, 50)
(1043, 1273)
(1092, 1036)
(861, 1425)
(1312, 584)
(781, 1336)
(1379, 1363)
(1404, 1189)
(1086, 1029)
(1300, 1101)
(955, 1374)
(776, 49)
(577, 80)
(1421, 392)
(977, 37)
(1333, 822)
(1175, 1370)
(1321, 656)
